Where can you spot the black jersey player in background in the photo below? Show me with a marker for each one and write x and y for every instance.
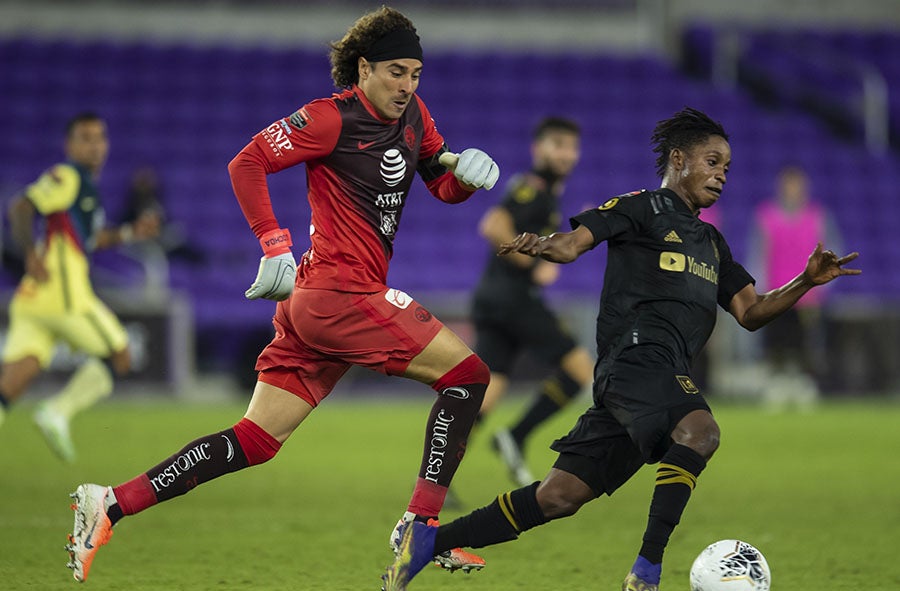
(666, 272)
(508, 307)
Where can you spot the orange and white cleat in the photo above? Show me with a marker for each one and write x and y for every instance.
(92, 528)
(459, 559)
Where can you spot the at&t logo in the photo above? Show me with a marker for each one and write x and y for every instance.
(393, 167)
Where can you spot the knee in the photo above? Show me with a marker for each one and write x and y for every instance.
(11, 388)
(120, 361)
(557, 503)
(698, 431)
(704, 441)
(457, 383)
(16, 377)
(258, 445)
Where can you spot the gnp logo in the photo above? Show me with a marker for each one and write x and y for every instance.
(276, 135)
(393, 167)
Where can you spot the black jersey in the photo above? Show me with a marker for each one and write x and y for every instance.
(534, 208)
(666, 271)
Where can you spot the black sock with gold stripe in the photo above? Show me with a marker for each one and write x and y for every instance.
(676, 477)
(503, 520)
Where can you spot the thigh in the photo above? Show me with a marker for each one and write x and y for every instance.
(97, 331)
(28, 336)
(319, 334)
(648, 401)
(288, 363)
(445, 351)
(599, 451)
(382, 331)
(276, 410)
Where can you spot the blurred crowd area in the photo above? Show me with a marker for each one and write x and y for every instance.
(183, 88)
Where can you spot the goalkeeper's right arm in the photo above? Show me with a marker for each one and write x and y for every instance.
(277, 269)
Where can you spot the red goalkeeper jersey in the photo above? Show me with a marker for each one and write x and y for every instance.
(359, 169)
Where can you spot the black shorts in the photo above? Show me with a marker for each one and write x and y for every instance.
(506, 328)
(636, 408)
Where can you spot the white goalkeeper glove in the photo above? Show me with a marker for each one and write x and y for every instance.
(277, 269)
(475, 169)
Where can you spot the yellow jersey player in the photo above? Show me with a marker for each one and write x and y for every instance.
(55, 301)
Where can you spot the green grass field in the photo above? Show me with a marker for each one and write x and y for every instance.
(818, 493)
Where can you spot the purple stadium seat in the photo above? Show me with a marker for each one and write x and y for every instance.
(188, 110)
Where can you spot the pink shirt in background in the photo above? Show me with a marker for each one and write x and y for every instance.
(788, 238)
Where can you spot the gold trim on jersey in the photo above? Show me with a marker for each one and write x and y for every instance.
(610, 203)
(687, 384)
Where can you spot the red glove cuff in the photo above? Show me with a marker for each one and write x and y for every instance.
(276, 242)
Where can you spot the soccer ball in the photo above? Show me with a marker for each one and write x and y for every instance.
(730, 565)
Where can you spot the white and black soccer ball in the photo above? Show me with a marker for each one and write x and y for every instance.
(730, 565)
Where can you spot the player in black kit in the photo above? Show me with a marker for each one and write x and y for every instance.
(508, 308)
(666, 272)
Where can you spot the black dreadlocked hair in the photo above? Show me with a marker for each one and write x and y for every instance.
(683, 130)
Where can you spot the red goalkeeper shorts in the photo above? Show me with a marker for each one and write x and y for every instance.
(319, 334)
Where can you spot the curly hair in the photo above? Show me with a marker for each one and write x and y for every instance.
(684, 130)
(370, 27)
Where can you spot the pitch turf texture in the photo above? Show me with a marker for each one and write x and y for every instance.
(818, 493)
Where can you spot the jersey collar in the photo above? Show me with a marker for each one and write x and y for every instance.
(680, 205)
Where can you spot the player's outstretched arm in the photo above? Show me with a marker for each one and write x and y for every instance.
(753, 310)
(559, 247)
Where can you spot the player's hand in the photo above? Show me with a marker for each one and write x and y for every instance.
(526, 243)
(277, 269)
(275, 278)
(34, 267)
(473, 168)
(824, 265)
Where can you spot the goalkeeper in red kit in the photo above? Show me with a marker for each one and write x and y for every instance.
(362, 147)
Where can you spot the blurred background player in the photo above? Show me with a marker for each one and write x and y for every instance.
(786, 227)
(361, 147)
(508, 309)
(144, 199)
(55, 301)
(666, 272)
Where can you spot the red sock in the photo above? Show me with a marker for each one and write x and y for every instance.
(135, 495)
(427, 498)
